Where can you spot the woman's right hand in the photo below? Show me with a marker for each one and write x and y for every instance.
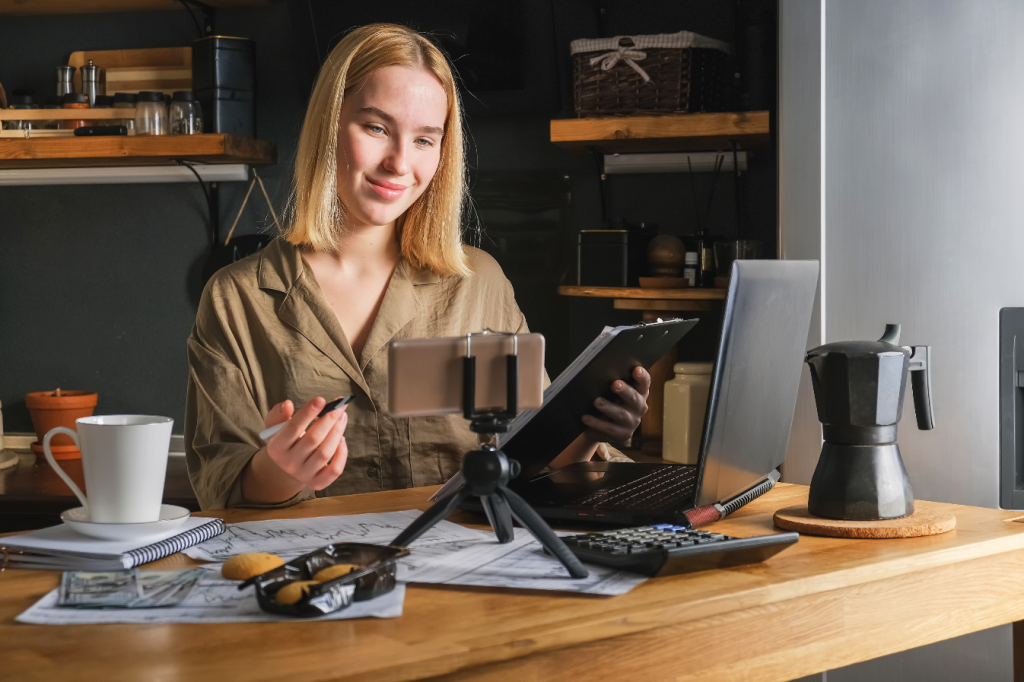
(312, 455)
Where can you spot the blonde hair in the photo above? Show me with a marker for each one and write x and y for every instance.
(430, 228)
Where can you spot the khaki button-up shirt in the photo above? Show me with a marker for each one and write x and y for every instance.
(265, 333)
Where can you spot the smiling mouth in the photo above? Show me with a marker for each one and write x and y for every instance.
(387, 190)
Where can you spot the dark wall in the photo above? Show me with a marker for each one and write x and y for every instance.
(98, 283)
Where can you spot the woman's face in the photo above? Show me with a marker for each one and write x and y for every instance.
(389, 143)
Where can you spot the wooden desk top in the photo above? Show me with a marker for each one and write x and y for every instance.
(821, 604)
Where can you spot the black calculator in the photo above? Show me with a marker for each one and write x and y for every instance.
(665, 549)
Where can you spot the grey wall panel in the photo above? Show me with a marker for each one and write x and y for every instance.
(925, 154)
(800, 225)
(921, 225)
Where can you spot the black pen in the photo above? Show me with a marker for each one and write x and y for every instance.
(329, 407)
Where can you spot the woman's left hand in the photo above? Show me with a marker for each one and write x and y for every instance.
(620, 420)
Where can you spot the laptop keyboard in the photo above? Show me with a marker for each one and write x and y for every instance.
(659, 490)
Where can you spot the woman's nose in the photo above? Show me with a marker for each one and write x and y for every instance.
(397, 159)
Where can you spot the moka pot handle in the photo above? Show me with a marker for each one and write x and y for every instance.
(921, 384)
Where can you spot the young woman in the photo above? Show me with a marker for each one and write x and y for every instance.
(372, 252)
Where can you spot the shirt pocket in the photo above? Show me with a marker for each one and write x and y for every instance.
(306, 374)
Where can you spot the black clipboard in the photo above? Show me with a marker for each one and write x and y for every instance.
(547, 431)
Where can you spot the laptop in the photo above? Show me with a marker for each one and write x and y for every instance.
(747, 423)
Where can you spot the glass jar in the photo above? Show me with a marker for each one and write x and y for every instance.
(151, 114)
(186, 116)
(51, 124)
(686, 401)
(125, 100)
(20, 102)
(75, 100)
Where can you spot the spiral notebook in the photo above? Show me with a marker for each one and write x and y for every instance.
(62, 549)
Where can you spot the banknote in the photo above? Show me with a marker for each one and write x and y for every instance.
(132, 588)
(103, 588)
(166, 588)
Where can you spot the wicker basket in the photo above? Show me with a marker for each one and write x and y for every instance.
(669, 73)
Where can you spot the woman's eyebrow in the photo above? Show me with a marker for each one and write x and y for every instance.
(391, 119)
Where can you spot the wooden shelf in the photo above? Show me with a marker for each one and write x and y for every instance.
(676, 133)
(64, 114)
(636, 293)
(141, 150)
(14, 7)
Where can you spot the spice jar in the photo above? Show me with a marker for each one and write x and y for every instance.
(186, 116)
(125, 100)
(151, 114)
(50, 124)
(20, 102)
(75, 100)
(686, 401)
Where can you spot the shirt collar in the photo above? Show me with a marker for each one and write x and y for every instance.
(281, 266)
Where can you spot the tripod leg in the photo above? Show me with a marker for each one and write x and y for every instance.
(440, 511)
(500, 517)
(540, 530)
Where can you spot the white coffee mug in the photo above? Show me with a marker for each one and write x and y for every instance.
(124, 457)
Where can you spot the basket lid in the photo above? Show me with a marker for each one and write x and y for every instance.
(683, 39)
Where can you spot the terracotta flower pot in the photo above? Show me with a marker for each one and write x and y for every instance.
(58, 408)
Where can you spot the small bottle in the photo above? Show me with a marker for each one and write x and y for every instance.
(125, 100)
(686, 401)
(21, 102)
(186, 116)
(51, 124)
(705, 249)
(151, 114)
(74, 100)
(690, 268)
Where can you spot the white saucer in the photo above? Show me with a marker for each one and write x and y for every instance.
(171, 517)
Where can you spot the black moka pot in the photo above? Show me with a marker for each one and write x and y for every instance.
(858, 390)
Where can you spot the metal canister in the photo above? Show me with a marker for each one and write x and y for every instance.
(91, 86)
(65, 80)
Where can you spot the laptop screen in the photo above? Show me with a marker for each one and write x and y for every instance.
(757, 374)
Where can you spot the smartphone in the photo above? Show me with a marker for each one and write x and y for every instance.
(425, 375)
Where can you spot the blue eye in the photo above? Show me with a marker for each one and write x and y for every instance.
(374, 128)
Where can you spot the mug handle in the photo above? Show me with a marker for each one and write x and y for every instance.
(60, 472)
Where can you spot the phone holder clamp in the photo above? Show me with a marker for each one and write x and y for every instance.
(486, 472)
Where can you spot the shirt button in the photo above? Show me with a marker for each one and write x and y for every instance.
(373, 472)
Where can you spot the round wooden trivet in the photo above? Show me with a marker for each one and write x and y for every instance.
(926, 520)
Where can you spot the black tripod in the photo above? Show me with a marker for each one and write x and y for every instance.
(486, 472)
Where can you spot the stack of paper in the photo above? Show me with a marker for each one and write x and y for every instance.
(446, 553)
